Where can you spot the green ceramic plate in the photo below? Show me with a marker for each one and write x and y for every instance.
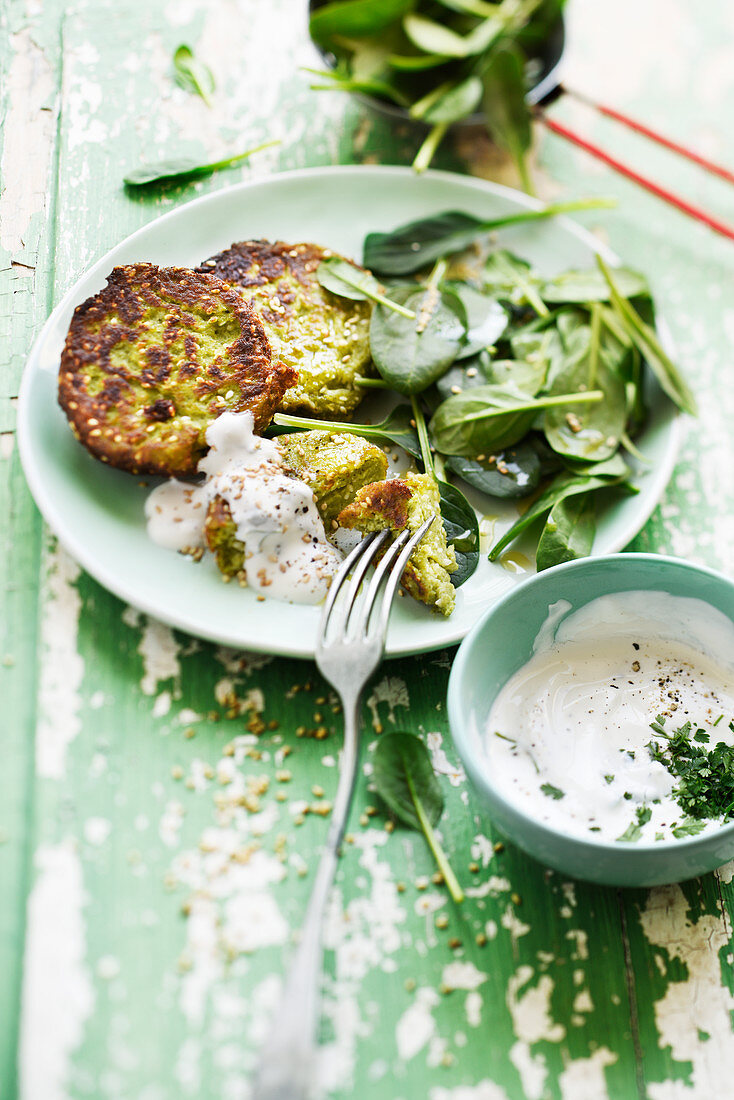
(97, 513)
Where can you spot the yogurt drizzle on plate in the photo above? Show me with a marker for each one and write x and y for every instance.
(287, 554)
(567, 734)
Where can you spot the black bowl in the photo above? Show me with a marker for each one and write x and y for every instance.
(544, 87)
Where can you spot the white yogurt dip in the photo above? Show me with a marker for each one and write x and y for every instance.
(567, 735)
(287, 554)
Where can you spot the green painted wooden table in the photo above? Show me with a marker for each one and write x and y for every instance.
(152, 867)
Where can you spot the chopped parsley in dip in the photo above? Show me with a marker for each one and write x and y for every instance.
(613, 729)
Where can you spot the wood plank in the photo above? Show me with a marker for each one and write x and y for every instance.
(165, 886)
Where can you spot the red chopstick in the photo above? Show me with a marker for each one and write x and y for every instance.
(653, 135)
(663, 193)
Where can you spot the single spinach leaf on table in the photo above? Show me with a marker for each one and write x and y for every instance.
(411, 353)
(462, 530)
(185, 168)
(404, 779)
(510, 474)
(569, 531)
(193, 75)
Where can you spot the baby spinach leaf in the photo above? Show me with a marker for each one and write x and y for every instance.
(339, 82)
(484, 318)
(504, 272)
(505, 109)
(434, 38)
(510, 474)
(185, 168)
(589, 432)
(464, 375)
(489, 418)
(355, 18)
(413, 246)
(569, 531)
(349, 281)
(462, 530)
(470, 7)
(483, 419)
(404, 779)
(193, 75)
(563, 486)
(449, 102)
(591, 286)
(646, 340)
(467, 374)
(412, 353)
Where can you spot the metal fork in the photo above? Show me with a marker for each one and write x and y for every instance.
(349, 649)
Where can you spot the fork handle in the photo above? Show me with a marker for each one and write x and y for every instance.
(286, 1070)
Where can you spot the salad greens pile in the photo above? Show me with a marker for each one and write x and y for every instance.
(519, 385)
(442, 60)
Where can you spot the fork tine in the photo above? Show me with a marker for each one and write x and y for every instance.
(364, 550)
(392, 566)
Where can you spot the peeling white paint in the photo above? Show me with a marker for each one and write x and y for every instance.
(416, 1026)
(159, 650)
(698, 1003)
(97, 830)
(530, 1010)
(28, 140)
(513, 924)
(391, 690)
(362, 935)
(62, 668)
(580, 940)
(532, 1069)
(482, 849)
(473, 1007)
(441, 762)
(57, 997)
(484, 1090)
(170, 823)
(462, 975)
(584, 1077)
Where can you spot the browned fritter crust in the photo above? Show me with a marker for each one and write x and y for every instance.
(153, 358)
(321, 335)
(380, 504)
(258, 263)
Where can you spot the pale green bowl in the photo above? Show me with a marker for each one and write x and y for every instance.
(502, 641)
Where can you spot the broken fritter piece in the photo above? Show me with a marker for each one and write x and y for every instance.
(153, 358)
(407, 502)
(335, 465)
(323, 337)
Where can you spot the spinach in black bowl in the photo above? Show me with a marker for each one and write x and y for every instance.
(440, 62)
